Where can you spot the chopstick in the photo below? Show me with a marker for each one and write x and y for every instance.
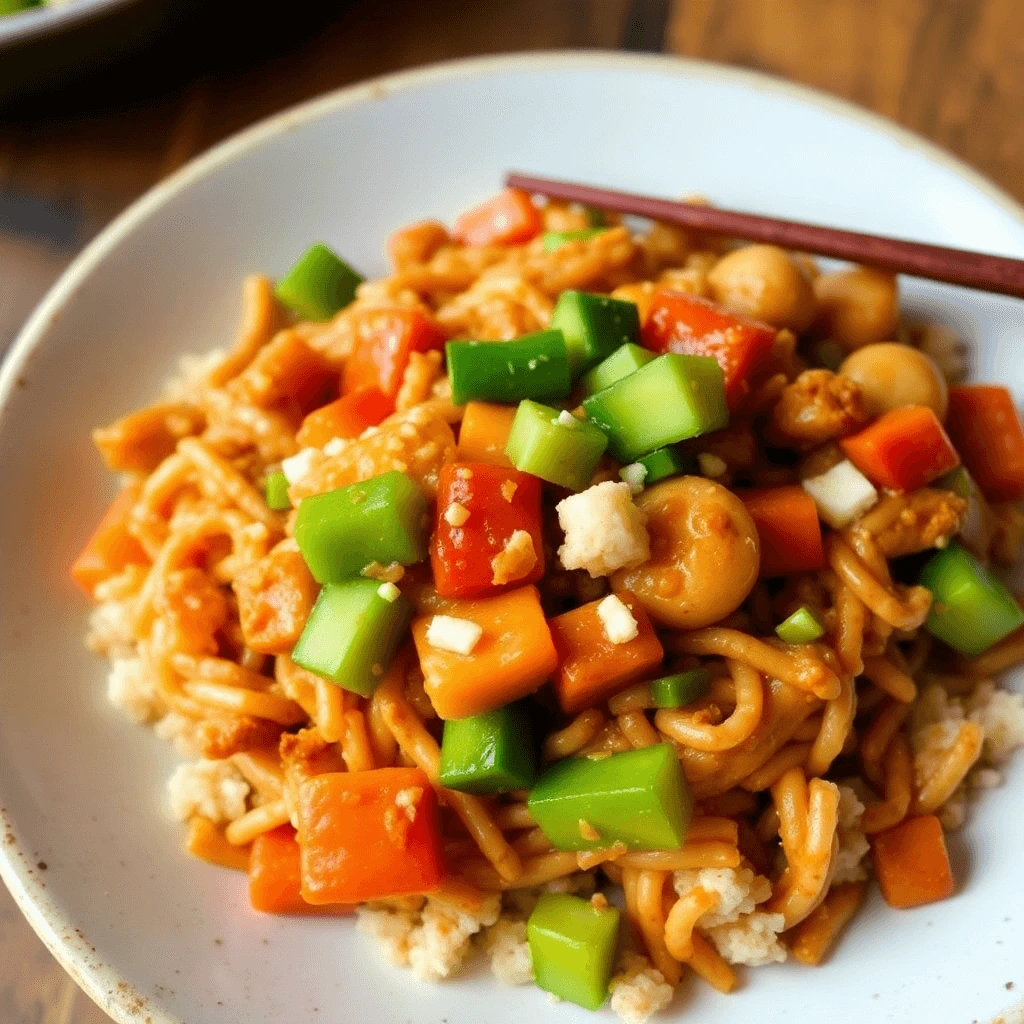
(954, 266)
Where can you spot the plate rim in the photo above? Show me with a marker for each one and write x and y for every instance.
(95, 977)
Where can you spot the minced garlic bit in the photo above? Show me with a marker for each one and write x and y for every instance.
(619, 624)
(456, 514)
(711, 465)
(508, 489)
(515, 560)
(588, 832)
(298, 466)
(567, 419)
(464, 473)
(634, 474)
(447, 633)
(389, 592)
(408, 799)
(390, 573)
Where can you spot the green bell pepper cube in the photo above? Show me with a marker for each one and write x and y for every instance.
(555, 239)
(572, 946)
(533, 366)
(639, 798)
(489, 753)
(594, 326)
(621, 363)
(670, 399)
(663, 463)
(556, 447)
(383, 519)
(972, 610)
(681, 689)
(277, 491)
(802, 627)
(319, 284)
(353, 632)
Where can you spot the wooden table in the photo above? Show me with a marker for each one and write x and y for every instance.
(952, 70)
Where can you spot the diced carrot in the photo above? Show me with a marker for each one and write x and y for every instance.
(385, 338)
(347, 416)
(787, 524)
(902, 450)
(111, 548)
(590, 666)
(368, 836)
(484, 433)
(275, 876)
(513, 656)
(911, 862)
(678, 322)
(479, 508)
(986, 429)
(206, 841)
(510, 218)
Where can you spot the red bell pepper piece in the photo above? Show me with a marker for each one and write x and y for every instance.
(986, 429)
(347, 416)
(510, 218)
(902, 450)
(479, 507)
(385, 339)
(787, 524)
(111, 548)
(683, 323)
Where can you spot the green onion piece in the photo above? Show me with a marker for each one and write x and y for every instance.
(318, 285)
(534, 366)
(594, 326)
(800, 628)
(665, 462)
(13, 6)
(554, 239)
(383, 519)
(670, 399)
(680, 689)
(489, 753)
(572, 947)
(621, 363)
(277, 491)
(972, 610)
(558, 448)
(639, 798)
(352, 633)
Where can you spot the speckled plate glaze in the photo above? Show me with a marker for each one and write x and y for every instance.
(156, 937)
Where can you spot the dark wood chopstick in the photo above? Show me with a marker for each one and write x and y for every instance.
(954, 266)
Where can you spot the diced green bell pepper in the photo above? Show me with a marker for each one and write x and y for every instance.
(594, 326)
(802, 627)
(621, 363)
(319, 284)
(670, 399)
(665, 462)
(565, 454)
(383, 519)
(489, 753)
(681, 689)
(352, 633)
(572, 946)
(554, 239)
(277, 491)
(639, 798)
(533, 366)
(972, 610)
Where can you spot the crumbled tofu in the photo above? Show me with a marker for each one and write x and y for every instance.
(213, 789)
(111, 629)
(336, 446)
(390, 573)
(1001, 714)
(508, 489)
(180, 731)
(739, 891)
(634, 474)
(132, 690)
(841, 494)
(604, 530)
(392, 927)
(638, 989)
(297, 467)
(849, 865)
(389, 592)
(515, 560)
(408, 800)
(456, 514)
(712, 466)
(753, 940)
(617, 620)
(448, 633)
(438, 946)
(509, 952)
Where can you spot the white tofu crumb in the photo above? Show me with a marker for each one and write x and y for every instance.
(508, 489)
(604, 530)
(111, 630)
(336, 446)
(850, 864)
(297, 467)
(567, 419)
(1001, 714)
(391, 927)
(456, 514)
(447, 633)
(132, 691)
(841, 494)
(213, 789)
(515, 560)
(180, 731)
(617, 620)
(753, 940)
(438, 946)
(638, 989)
(509, 952)
(408, 800)
(389, 592)
(634, 474)
(739, 890)
(712, 466)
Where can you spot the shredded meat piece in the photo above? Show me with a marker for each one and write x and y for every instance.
(818, 406)
(929, 519)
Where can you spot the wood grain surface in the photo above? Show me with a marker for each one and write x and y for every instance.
(73, 156)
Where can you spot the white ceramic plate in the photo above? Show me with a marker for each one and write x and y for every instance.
(45, 21)
(153, 935)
